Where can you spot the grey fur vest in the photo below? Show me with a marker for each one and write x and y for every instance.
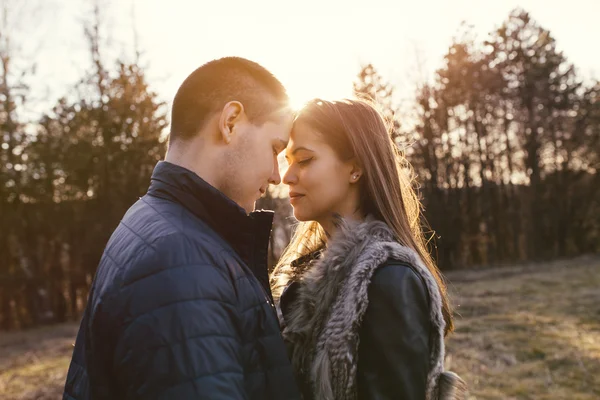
(322, 327)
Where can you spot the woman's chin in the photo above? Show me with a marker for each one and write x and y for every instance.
(300, 216)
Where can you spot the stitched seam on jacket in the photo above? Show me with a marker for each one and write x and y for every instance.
(161, 214)
(202, 335)
(173, 303)
(119, 266)
(183, 210)
(216, 242)
(221, 248)
(156, 272)
(138, 235)
(204, 376)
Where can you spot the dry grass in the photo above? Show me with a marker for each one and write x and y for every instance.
(529, 332)
(33, 364)
(523, 333)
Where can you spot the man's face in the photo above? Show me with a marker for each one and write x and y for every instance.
(252, 163)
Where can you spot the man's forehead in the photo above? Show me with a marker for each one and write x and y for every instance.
(283, 125)
(282, 115)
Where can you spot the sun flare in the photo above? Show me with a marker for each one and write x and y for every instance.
(297, 100)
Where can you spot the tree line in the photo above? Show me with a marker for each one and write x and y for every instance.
(504, 142)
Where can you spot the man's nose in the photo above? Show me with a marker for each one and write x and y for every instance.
(275, 178)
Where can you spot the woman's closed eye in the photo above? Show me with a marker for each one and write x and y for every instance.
(305, 161)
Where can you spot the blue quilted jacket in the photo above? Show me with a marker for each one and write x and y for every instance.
(180, 307)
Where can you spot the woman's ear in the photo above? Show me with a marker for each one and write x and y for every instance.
(231, 115)
(355, 173)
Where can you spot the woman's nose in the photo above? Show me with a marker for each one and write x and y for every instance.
(290, 178)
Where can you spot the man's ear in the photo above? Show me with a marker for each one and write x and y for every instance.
(232, 113)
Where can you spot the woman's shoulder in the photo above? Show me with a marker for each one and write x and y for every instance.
(394, 270)
(396, 277)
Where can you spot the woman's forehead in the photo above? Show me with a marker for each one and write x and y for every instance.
(303, 134)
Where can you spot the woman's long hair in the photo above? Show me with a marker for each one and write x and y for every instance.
(355, 129)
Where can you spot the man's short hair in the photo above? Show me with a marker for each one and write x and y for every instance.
(214, 84)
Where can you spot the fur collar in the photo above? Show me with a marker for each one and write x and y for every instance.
(323, 323)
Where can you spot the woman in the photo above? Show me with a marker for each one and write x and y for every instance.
(364, 310)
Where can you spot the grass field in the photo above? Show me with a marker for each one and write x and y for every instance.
(526, 332)
(529, 332)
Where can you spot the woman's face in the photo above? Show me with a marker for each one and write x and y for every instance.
(320, 183)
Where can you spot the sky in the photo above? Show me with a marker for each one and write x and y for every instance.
(315, 47)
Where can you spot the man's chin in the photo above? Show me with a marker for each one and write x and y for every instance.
(250, 207)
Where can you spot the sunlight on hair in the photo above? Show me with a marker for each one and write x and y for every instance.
(297, 102)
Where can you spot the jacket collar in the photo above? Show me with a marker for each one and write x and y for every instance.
(247, 234)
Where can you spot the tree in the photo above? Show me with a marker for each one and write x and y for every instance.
(371, 86)
(501, 138)
(90, 158)
(13, 94)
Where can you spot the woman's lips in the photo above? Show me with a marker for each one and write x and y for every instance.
(295, 196)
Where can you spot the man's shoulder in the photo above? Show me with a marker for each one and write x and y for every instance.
(173, 271)
(158, 222)
(171, 267)
(156, 235)
(154, 217)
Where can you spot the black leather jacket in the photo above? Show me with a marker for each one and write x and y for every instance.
(394, 345)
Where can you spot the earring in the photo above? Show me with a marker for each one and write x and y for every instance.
(355, 177)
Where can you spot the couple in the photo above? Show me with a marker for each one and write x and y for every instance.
(182, 306)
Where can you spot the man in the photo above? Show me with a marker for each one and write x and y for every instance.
(180, 307)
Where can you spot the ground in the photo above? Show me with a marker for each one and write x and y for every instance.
(524, 332)
(529, 332)
(33, 364)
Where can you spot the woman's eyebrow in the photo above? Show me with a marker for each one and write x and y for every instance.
(297, 149)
